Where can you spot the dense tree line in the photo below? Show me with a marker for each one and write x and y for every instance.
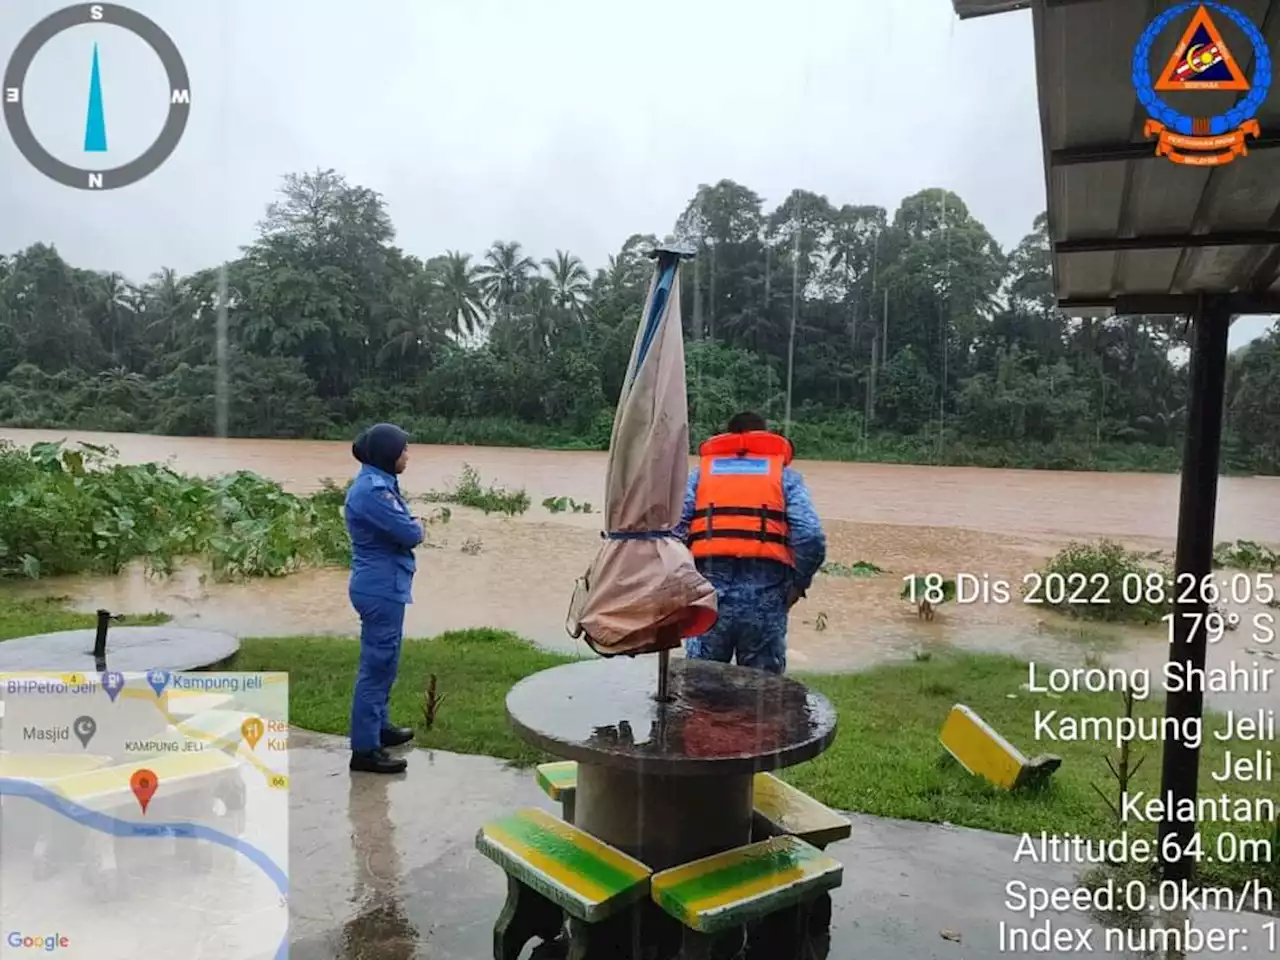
(909, 336)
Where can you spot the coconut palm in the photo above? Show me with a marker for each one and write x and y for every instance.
(461, 297)
(570, 283)
(505, 274)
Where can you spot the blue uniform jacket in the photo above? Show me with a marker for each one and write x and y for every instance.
(808, 542)
(383, 535)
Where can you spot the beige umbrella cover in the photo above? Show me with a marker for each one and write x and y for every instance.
(643, 593)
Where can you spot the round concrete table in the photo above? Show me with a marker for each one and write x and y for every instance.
(129, 650)
(669, 782)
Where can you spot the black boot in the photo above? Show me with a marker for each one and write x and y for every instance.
(377, 761)
(396, 736)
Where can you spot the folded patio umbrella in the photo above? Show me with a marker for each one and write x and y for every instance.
(643, 593)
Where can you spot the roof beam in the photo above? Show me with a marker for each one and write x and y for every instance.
(1114, 152)
(1173, 305)
(968, 9)
(1242, 238)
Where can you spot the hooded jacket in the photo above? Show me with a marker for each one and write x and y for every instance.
(383, 531)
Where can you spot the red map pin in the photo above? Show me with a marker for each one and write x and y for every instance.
(143, 784)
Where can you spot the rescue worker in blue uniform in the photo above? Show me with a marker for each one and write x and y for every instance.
(754, 534)
(383, 535)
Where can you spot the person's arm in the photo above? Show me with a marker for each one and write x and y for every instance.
(808, 542)
(382, 508)
(690, 497)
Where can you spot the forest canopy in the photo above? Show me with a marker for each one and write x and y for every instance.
(912, 336)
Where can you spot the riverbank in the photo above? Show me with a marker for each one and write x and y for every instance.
(886, 759)
(840, 441)
(832, 441)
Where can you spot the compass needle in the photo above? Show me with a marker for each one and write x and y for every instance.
(95, 126)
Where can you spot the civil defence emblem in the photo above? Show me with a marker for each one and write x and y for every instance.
(1202, 61)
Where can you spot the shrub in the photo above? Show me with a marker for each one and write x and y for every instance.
(1087, 581)
(71, 510)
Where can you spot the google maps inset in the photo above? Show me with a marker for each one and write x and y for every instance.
(144, 815)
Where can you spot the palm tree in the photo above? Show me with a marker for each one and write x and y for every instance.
(505, 274)
(117, 299)
(167, 306)
(417, 325)
(461, 295)
(570, 283)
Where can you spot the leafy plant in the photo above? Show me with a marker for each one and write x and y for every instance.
(922, 586)
(70, 510)
(561, 504)
(1122, 766)
(1098, 572)
(468, 492)
(859, 568)
(1246, 555)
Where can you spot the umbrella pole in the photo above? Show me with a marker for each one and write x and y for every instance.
(664, 661)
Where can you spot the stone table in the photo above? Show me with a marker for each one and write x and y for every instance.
(669, 782)
(129, 650)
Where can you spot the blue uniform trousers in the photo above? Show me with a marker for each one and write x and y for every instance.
(752, 625)
(381, 634)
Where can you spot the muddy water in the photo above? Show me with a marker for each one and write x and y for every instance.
(907, 519)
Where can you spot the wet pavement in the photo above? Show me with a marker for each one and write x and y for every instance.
(385, 867)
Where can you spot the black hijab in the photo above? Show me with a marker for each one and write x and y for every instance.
(380, 446)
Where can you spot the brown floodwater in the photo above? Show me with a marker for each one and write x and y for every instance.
(518, 574)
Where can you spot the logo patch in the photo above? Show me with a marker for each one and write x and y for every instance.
(749, 466)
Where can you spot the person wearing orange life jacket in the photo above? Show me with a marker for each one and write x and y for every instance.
(754, 534)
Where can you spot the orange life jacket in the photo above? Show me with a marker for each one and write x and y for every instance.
(740, 509)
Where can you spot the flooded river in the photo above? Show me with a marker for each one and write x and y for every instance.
(905, 519)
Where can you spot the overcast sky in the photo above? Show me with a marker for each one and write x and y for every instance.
(564, 124)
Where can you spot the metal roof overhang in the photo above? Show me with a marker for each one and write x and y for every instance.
(1136, 233)
(1132, 232)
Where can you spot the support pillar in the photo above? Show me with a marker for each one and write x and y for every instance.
(1196, 509)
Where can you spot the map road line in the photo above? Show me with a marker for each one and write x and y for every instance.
(124, 828)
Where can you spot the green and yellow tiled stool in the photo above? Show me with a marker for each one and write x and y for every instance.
(780, 809)
(718, 897)
(554, 869)
(559, 781)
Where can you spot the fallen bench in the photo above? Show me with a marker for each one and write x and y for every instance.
(979, 748)
(716, 898)
(780, 809)
(553, 869)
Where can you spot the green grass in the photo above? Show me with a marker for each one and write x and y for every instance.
(474, 669)
(24, 618)
(886, 759)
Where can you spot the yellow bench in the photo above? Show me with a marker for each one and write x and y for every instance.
(188, 703)
(553, 869)
(983, 752)
(780, 809)
(44, 767)
(175, 773)
(783, 811)
(220, 728)
(717, 897)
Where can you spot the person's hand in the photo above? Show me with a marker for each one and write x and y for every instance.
(794, 595)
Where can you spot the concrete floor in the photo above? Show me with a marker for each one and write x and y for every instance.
(385, 867)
